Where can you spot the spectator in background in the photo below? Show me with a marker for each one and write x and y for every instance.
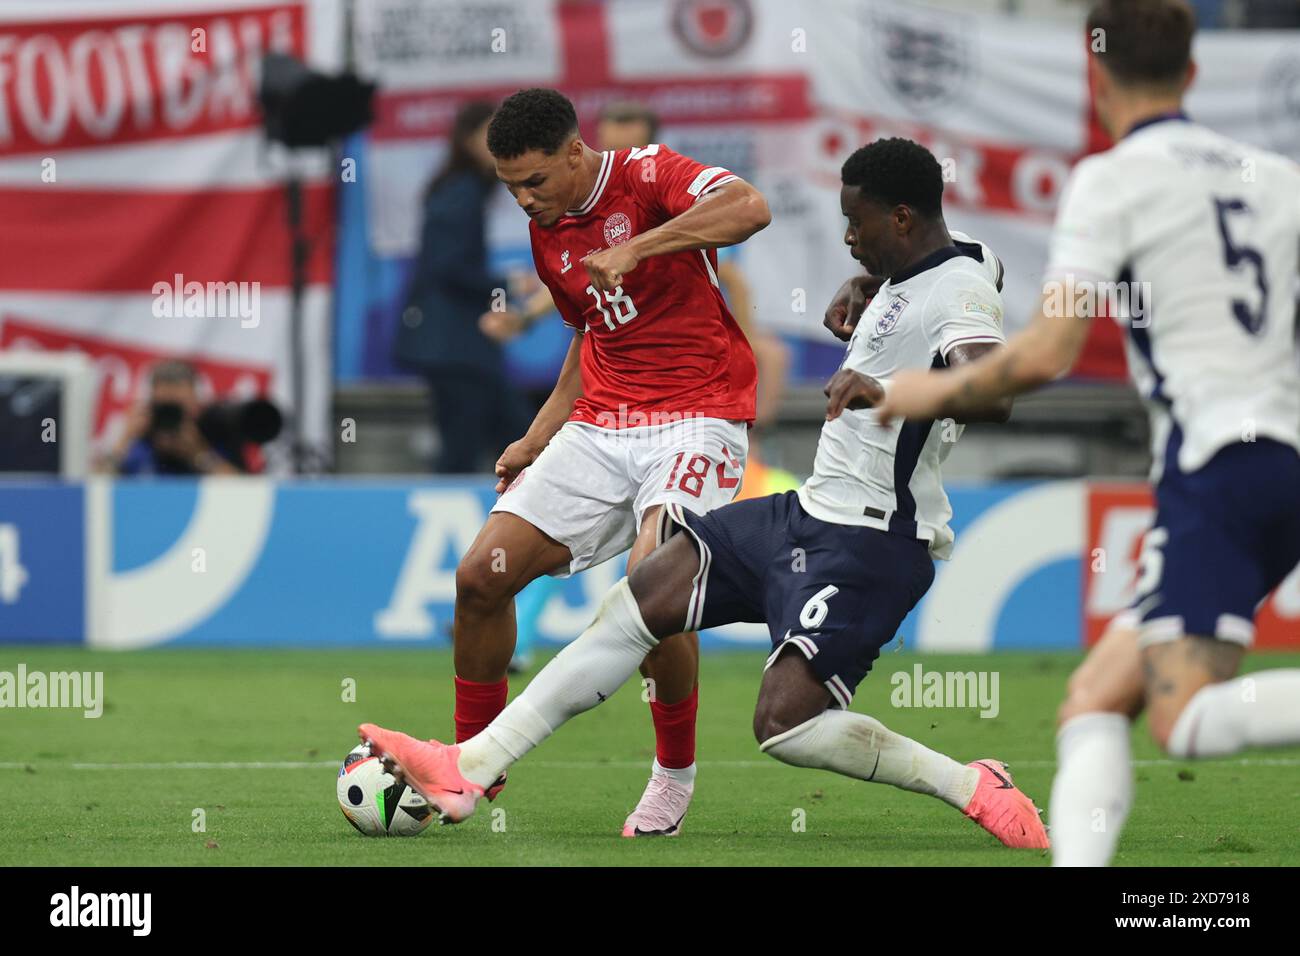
(476, 409)
(623, 124)
(162, 435)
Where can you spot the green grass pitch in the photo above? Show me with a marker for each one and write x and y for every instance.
(254, 739)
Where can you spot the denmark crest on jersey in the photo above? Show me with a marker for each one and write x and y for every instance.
(889, 319)
(618, 229)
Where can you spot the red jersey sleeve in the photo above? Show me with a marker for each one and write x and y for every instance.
(668, 182)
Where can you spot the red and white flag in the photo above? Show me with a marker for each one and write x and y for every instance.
(142, 212)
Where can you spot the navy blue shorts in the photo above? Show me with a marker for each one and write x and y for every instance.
(835, 592)
(1224, 537)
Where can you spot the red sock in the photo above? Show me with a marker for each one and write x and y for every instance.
(675, 731)
(477, 704)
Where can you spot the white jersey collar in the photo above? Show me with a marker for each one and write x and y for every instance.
(588, 204)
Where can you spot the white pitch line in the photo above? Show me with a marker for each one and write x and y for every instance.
(1011, 763)
(566, 764)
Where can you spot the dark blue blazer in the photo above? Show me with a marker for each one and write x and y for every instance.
(450, 285)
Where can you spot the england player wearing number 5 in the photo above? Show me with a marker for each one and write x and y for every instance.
(832, 569)
(1211, 229)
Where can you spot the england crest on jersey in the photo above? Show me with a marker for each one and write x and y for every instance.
(889, 319)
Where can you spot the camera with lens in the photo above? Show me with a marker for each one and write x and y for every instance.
(235, 424)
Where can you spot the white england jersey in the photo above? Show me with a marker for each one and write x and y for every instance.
(888, 476)
(1207, 230)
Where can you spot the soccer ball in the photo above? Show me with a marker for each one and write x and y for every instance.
(374, 802)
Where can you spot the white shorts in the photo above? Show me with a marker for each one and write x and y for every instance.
(590, 487)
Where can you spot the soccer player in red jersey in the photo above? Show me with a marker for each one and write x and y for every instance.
(651, 406)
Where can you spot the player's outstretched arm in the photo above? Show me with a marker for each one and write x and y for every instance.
(853, 390)
(1031, 359)
(553, 414)
(996, 410)
(722, 217)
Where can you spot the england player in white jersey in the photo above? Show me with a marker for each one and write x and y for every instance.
(1200, 237)
(945, 305)
(832, 569)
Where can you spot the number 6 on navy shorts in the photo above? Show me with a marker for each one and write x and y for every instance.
(835, 593)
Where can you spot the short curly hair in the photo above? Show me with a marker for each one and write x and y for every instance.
(538, 119)
(897, 172)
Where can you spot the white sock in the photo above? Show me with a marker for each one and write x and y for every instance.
(1093, 789)
(860, 746)
(1257, 710)
(581, 676)
(683, 775)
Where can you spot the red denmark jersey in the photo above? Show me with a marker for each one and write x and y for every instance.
(664, 342)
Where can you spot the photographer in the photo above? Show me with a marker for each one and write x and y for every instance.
(162, 436)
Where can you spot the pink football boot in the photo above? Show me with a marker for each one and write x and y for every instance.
(429, 767)
(1003, 810)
